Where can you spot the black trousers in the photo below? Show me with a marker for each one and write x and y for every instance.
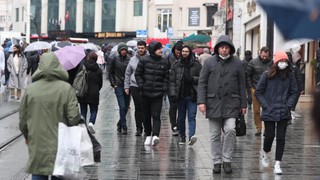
(152, 109)
(138, 113)
(173, 113)
(270, 130)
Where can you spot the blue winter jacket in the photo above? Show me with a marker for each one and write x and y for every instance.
(276, 96)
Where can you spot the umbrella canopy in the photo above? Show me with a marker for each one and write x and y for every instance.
(70, 56)
(200, 38)
(132, 43)
(295, 44)
(89, 46)
(198, 50)
(294, 18)
(58, 45)
(38, 45)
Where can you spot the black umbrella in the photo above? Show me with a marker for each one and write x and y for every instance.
(58, 45)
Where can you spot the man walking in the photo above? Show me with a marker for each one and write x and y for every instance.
(183, 85)
(152, 75)
(222, 96)
(245, 62)
(254, 70)
(130, 85)
(117, 69)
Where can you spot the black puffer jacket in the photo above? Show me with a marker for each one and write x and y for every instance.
(117, 70)
(255, 69)
(178, 78)
(94, 82)
(152, 74)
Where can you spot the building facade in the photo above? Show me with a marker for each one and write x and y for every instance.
(5, 15)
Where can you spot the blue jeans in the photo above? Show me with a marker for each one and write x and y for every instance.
(123, 103)
(93, 111)
(43, 177)
(186, 104)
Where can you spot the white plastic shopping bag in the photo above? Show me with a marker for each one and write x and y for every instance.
(86, 147)
(68, 161)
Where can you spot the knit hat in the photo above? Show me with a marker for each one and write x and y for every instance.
(122, 46)
(279, 55)
(153, 46)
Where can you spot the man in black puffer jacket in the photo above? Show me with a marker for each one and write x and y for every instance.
(117, 69)
(152, 75)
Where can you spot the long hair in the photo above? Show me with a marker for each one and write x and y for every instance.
(274, 71)
(19, 53)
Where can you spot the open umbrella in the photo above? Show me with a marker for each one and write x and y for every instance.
(89, 46)
(198, 50)
(38, 45)
(70, 56)
(59, 44)
(132, 43)
(295, 44)
(294, 18)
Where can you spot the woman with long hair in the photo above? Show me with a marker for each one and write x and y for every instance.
(277, 92)
(17, 67)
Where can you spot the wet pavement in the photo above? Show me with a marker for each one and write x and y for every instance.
(125, 156)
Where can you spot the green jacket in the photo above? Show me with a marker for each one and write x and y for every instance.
(46, 102)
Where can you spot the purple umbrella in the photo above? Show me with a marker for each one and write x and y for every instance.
(70, 56)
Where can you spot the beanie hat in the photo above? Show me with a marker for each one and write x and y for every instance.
(279, 55)
(153, 46)
(122, 46)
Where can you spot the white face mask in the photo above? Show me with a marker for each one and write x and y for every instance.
(224, 57)
(282, 65)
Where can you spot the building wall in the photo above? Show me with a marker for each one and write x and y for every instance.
(5, 14)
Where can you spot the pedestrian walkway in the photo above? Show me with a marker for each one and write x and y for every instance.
(125, 156)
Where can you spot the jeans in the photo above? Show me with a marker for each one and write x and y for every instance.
(184, 105)
(93, 111)
(152, 109)
(256, 111)
(225, 148)
(269, 135)
(43, 177)
(138, 113)
(123, 103)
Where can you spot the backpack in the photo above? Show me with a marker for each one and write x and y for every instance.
(80, 83)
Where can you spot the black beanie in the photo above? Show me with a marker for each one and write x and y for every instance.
(153, 46)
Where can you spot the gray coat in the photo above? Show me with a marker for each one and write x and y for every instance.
(17, 77)
(130, 79)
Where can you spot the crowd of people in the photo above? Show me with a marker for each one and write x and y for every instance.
(220, 86)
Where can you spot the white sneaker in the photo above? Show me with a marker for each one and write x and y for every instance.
(277, 170)
(147, 142)
(91, 128)
(155, 140)
(193, 140)
(265, 159)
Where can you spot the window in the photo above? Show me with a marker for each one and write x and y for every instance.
(137, 8)
(2, 18)
(88, 15)
(17, 14)
(108, 15)
(35, 24)
(71, 8)
(22, 12)
(164, 19)
(53, 15)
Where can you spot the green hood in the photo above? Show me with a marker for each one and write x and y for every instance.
(50, 69)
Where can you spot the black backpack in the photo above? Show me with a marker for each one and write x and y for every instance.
(80, 83)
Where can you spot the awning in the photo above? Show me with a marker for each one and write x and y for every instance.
(200, 38)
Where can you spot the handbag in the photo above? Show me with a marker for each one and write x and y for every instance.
(74, 151)
(241, 127)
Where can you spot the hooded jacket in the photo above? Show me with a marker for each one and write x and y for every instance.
(130, 79)
(152, 73)
(221, 84)
(46, 102)
(117, 69)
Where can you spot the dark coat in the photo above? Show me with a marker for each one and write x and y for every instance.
(94, 83)
(117, 70)
(177, 78)
(33, 61)
(254, 70)
(276, 96)
(152, 75)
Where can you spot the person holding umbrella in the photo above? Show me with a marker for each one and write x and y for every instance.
(17, 66)
(277, 92)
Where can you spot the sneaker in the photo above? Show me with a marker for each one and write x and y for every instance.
(91, 128)
(265, 159)
(277, 170)
(175, 131)
(147, 142)
(139, 132)
(124, 131)
(227, 167)
(155, 140)
(258, 133)
(193, 140)
(182, 141)
(216, 168)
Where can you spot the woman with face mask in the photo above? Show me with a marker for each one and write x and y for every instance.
(277, 91)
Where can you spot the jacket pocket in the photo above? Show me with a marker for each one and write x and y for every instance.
(211, 95)
(235, 96)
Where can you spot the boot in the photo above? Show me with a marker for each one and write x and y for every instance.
(227, 167)
(216, 168)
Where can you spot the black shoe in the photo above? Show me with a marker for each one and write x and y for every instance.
(175, 131)
(258, 133)
(139, 132)
(227, 167)
(124, 131)
(118, 127)
(216, 168)
(182, 141)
